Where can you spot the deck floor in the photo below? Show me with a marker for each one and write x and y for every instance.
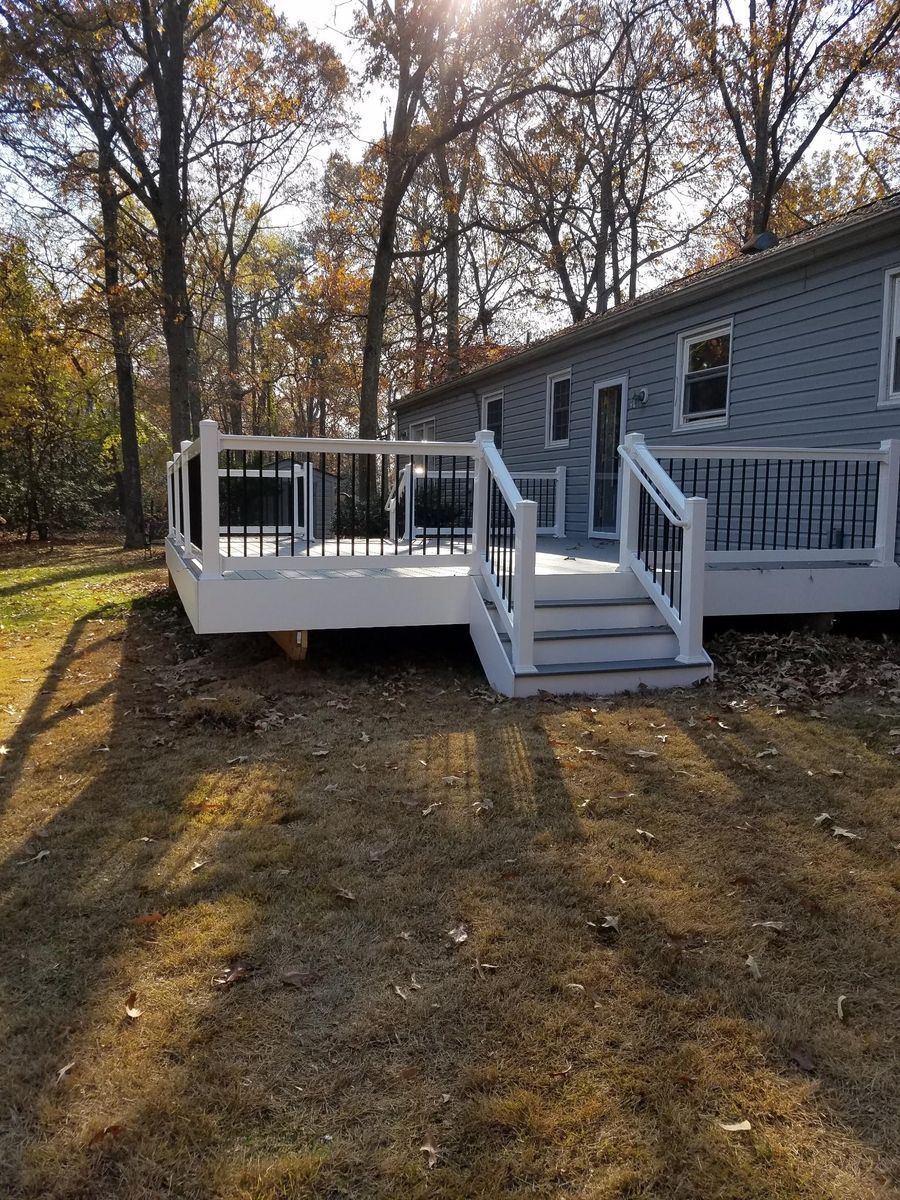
(555, 556)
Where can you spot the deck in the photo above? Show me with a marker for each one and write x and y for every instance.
(292, 534)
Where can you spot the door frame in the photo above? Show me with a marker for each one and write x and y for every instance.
(610, 381)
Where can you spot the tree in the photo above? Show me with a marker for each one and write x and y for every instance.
(781, 74)
(273, 101)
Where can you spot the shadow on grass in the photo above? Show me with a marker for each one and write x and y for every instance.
(539, 1056)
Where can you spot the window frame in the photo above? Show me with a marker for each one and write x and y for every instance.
(686, 339)
(552, 379)
(890, 333)
(486, 398)
(421, 425)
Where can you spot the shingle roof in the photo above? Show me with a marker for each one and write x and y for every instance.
(859, 218)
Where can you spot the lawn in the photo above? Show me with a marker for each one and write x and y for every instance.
(355, 928)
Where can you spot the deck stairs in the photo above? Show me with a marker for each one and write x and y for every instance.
(597, 634)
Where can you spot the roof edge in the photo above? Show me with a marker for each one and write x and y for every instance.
(754, 266)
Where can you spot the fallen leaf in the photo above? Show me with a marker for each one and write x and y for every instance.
(576, 987)
(319, 753)
(233, 974)
(426, 812)
(237, 760)
(452, 780)
(401, 992)
(199, 865)
(642, 753)
(148, 919)
(41, 854)
(364, 738)
(131, 1011)
(106, 1131)
(735, 1126)
(778, 926)
(840, 1007)
(753, 966)
(622, 795)
(839, 831)
(63, 1071)
(483, 805)
(458, 935)
(610, 922)
(431, 1150)
(823, 819)
(646, 835)
(344, 893)
(768, 752)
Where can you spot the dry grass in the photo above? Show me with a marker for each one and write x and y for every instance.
(542, 1056)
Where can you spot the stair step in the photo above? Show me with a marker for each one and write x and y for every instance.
(599, 602)
(631, 665)
(641, 631)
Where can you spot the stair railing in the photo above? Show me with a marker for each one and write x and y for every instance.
(505, 537)
(663, 541)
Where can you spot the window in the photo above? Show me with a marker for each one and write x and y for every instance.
(889, 390)
(559, 390)
(492, 416)
(421, 431)
(704, 367)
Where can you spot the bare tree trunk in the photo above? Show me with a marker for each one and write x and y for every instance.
(451, 262)
(233, 351)
(131, 497)
(379, 288)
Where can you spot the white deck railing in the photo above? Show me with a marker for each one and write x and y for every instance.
(662, 541)
(773, 504)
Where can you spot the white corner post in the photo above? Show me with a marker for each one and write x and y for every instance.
(693, 578)
(210, 556)
(631, 495)
(523, 585)
(480, 498)
(170, 496)
(888, 488)
(559, 510)
(185, 500)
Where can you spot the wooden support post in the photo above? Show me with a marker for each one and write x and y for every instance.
(294, 643)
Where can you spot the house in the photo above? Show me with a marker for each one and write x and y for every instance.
(724, 445)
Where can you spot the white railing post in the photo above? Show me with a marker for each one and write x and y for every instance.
(210, 556)
(185, 501)
(523, 585)
(409, 491)
(170, 496)
(480, 495)
(631, 489)
(888, 488)
(693, 573)
(559, 513)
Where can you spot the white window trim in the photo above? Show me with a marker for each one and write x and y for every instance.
(416, 425)
(486, 397)
(548, 420)
(890, 328)
(714, 329)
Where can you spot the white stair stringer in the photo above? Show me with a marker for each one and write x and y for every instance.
(614, 640)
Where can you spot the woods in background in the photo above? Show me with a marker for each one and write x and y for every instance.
(192, 226)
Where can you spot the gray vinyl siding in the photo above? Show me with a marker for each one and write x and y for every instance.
(806, 354)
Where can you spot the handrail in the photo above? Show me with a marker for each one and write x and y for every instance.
(775, 453)
(665, 485)
(671, 574)
(238, 441)
(502, 477)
